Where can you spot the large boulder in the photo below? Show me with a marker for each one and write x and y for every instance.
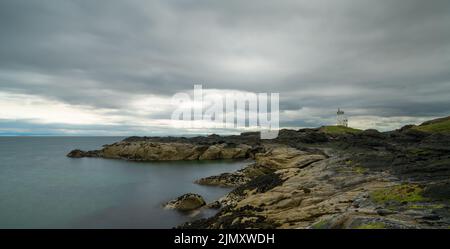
(186, 202)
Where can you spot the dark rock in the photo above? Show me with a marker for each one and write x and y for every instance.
(431, 217)
(406, 127)
(384, 212)
(187, 202)
(261, 183)
(224, 180)
(80, 153)
(306, 190)
(415, 133)
(241, 218)
(372, 133)
(76, 154)
(214, 205)
(438, 191)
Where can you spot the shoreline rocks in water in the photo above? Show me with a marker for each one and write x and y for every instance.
(186, 202)
(167, 151)
(80, 154)
(316, 178)
(234, 179)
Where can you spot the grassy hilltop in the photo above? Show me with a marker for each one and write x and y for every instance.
(440, 125)
(337, 129)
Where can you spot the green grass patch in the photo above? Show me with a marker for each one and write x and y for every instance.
(372, 225)
(433, 206)
(351, 167)
(420, 152)
(399, 193)
(359, 169)
(438, 127)
(323, 224)
(333, 129)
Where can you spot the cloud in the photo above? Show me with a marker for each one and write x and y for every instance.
(118, 63)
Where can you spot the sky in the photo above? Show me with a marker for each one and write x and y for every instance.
(111, 67)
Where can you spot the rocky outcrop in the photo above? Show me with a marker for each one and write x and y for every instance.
(367, 180)
(225, 179)
(81, 153)
(76, 154)
(331, 193)
(186, 202)
(276, 157)
(167, 151)
(283, 157)
(151, 151)
(313, 179)
(224, 151)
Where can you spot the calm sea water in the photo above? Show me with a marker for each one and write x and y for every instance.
(41, 188)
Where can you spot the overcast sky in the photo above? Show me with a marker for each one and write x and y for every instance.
(111, 67)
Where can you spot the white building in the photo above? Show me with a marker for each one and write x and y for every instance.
(341, 118)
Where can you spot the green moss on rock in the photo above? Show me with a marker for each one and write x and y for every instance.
(359, 169)
(323, 224)
(422, 206)
(399, 193)
(372, 225)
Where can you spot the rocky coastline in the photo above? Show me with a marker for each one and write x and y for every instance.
(314, 178)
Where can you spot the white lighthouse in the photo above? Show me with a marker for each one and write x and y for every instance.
(341, 118)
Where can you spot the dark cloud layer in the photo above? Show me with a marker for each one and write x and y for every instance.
(373, 58)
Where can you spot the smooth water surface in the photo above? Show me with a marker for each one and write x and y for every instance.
(42, 188)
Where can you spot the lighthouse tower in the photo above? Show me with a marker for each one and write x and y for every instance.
(341, 119)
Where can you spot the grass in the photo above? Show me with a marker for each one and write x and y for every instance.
(356, 168)
(372, 225)
(333, 129)
(359, 169)
(353, 169)
(421, 207)
(437, 127)
(323, 224)
(420, 152)
(399, 193)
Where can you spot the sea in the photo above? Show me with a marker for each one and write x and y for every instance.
(42, 188)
